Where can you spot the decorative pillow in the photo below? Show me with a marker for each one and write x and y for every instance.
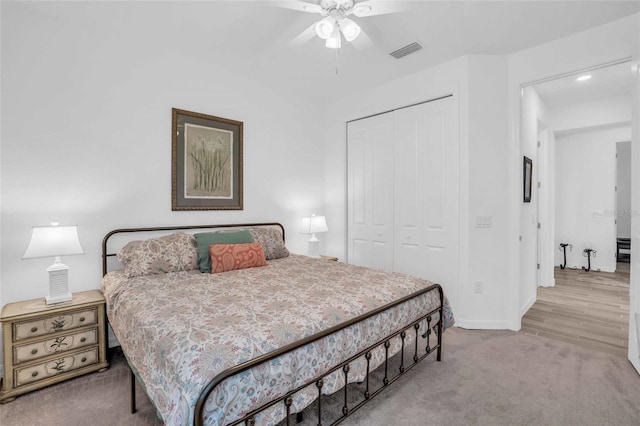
(227, 257)
(204, 240)
(171, 253)
(271, 240)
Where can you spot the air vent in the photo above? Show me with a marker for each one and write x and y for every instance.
(406, 50)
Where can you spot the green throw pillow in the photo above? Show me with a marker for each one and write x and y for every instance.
(204, 240)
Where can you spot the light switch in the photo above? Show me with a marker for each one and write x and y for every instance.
(484, 221)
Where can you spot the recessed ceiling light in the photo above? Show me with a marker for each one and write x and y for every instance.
(583, 78)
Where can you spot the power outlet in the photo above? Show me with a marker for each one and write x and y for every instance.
(478, 287)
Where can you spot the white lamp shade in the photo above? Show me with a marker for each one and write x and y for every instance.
(314, 225)
(349, 29)
(51, 241)
(325, 27)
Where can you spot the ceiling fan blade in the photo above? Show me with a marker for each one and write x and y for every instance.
(372, 8)
(303, 37)
(362, 42)
(299, 5)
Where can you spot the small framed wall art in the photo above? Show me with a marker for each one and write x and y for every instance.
(527, 170)
(206, 162)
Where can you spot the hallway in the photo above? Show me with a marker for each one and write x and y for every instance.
(590, 309)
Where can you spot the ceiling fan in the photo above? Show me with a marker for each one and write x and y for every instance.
(336, 23)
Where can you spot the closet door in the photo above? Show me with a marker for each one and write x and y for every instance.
(370, 192)
(426, 191)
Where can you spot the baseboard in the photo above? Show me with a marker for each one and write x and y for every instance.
(633, 354)
(482, 324)
(579, 268)
(551, 283)
(527, 305)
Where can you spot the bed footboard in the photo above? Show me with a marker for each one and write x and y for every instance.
(417, 355)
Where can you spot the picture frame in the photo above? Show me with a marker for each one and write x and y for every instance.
(527, 174)
(206, 162)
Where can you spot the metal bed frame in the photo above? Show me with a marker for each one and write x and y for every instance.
(287, 399)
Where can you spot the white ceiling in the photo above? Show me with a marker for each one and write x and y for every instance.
(253, 38)
(256, 38)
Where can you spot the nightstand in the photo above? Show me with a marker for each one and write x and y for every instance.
(46, 344)
(331, 258)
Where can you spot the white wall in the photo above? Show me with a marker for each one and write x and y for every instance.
(86, 123)
(1, 125)
(546, 211)
(586, 159)
(623, 193)
(534, 119)
(634, 289)
(585, 199)
(488, 141)
(600, 45)
(588, 132)
(609, 111)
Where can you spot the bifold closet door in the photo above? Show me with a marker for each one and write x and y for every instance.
(426, 192)
(370, 192)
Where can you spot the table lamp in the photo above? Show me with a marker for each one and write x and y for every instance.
(55, 241)
(314, 225)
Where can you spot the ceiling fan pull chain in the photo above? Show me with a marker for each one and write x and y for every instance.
(337, 54)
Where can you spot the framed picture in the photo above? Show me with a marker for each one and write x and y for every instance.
(206, 162)
(527, 168)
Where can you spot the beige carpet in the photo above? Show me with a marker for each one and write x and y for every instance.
(485, 378)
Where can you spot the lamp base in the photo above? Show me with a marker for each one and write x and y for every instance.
(314, 246)
(58, 283)
(58, 299)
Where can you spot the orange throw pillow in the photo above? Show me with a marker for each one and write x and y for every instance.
(227, 257)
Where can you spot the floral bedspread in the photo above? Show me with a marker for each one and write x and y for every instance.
(181, 329)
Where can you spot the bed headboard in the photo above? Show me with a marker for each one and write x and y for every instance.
(164, 230)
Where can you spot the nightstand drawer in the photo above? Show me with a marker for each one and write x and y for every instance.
(51, 324)
(60, 343)
(26, 375)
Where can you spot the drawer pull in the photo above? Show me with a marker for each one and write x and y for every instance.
(34, 351)
(81, 319)
(34, 374)
(34, 329)
(84, 358)
(83, 339)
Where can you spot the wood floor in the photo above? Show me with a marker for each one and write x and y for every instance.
(590, 309)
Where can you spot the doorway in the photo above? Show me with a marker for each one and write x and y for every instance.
(581, 293)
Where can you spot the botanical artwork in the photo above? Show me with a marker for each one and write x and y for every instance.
(208, 171)
(206, 162)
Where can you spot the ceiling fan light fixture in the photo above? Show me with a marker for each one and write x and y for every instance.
(349, 29)
(326, 27)
(335, 40)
